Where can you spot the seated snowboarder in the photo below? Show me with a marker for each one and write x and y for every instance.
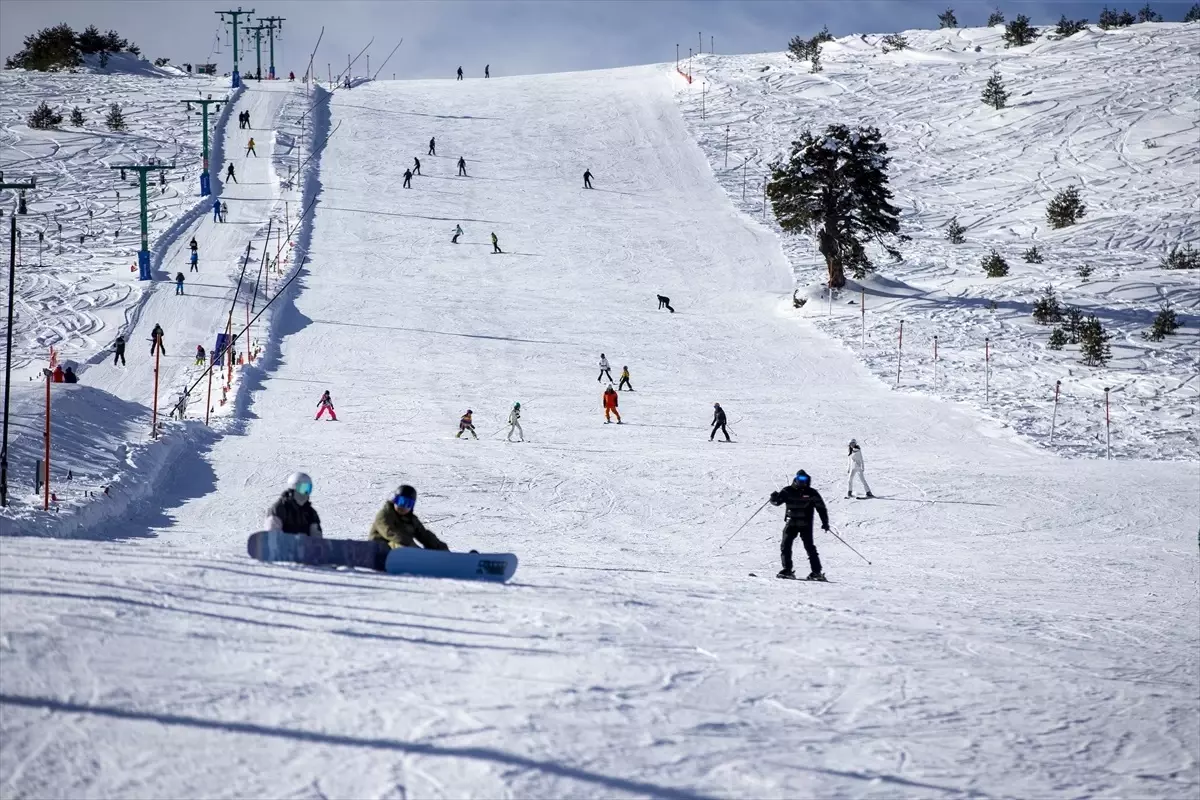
(292, 513)
(397, 525)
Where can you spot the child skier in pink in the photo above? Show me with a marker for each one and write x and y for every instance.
(326, 404)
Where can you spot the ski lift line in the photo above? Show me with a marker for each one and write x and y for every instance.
(389, 58)
(308, 72)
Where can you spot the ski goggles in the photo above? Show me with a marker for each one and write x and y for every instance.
(400, 501)
(800, 479)
(304, 488)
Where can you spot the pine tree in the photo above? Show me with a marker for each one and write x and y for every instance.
(1165, 324)
(894, 41)
(115, 119)
(1093, 343)
(994, 94)
(815, 59)
(76, 117)
(1147, 14)
(1046, 308)
(1067, 27)
(996, 18)
(1019, 32)
(1193, 14)
(1033, 255)
(947, 19)
(1109, 19)
(1126, 19)
(954, 232)
(994, 265)
(1084, 271)
(1066, 208)
(1073, 324)
(47, 50)
(1186, 258)
(823, 36)
(44, 117)
(835, 185)
(797, 49)
(1057, 339)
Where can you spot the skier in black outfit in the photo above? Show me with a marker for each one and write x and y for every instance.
(718, 423)
(462, 167)
(119, 351)
(416, 166)
(229, 176)
(460, 73)
(432, 147)
(587, 179)
(408, 179)
(801, 500)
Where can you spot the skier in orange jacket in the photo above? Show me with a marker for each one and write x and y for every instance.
(610, 405)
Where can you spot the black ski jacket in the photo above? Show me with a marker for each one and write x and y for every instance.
(801, 501)
(718, 416)
(295, 518)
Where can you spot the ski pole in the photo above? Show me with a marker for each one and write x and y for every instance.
(843, 541)
(744, 524)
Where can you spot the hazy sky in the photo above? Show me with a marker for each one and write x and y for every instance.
(514, 37)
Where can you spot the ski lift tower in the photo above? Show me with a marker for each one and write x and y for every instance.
(205, 180)
(236, 80)
(141, 169)
(258, 32)
(273, 24)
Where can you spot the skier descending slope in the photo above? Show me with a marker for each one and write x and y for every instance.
(293, 513)
(718, 422)
(856, 468)
(604, 368)
(397, 525)
(465, 424)
(514, 422)
(610, 405)
(801, 500)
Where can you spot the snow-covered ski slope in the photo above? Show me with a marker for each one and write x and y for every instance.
(1112, 112)
(1027, 627)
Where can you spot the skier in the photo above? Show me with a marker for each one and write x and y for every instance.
(248, 126)
(192, 245)
(416, 166)
(718, 423)
(462, 167)
(292, 512)
(514, 422)
(178, 283)
(229, 176)
(587, 179)
(199, 355)
(604, 369)
(458, 231)
(326, 404)
(224, 211)
(854, 468)
(496, 244)
(156, 340)
(291, 76)
(665, 302)
(250, 148)
(465, 424)
(487, 70)
(801, 500)
(195, 261)
(216, 210)
(460, 77)
(432, 147)
(624, 379)
(408, 179)
(119, 351)
(610, 405)
(397, 525)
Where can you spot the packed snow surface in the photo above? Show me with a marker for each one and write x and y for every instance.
(1027, 626)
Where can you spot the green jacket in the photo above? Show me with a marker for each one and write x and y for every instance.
(406, 531)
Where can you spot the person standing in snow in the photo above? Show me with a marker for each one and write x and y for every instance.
(397, 525)
(458, 231)
(462, 167)
(718, 423)
(801, 500)
(119, 351)
(416, 166)
(460, 77)
(192, 245)
(496, 244)
(855, 468)
(195, 261)
(326, 404)
(224, 211)
(178, 283)
(199, 355)
(250, 148)
(216, 210)
(624, 380)
(408, 179)
(156, 340)
(229, 176)
(487, 70)
(604, 368)
(432, 147)
(465, 424)
(291, 76)
(292, 512)
(610, 405)
(514, 422)
(587, 179)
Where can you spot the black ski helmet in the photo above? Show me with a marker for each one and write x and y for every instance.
(802, 478)
(405, 496)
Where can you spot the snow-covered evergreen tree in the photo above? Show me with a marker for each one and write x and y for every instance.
(44, 117)
(1147, 14)
(1066, 208)
(1193, 14)
(1046, 308)
(947, 19)
(994, 265)
(995, 18)
(1019, 32)
(115, 120)
(894, 41)
(1069, 27)
(1033, 255)
(994, 93)
(1093, 343)
(954, 231)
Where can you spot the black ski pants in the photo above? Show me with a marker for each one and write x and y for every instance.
(119, 356)
(408, 182)
(719, 426)
(625, 382)
(462, 171)
(604, 371)
(805, 532)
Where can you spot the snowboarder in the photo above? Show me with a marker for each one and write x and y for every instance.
(460, 77)
(587, 179)
(292, 512)
(416, 166)
(199, 355)
(156, 340)
(514, 422)
(487, 70)
(458, 231)
(624, 380)
(496, 244)
(397, 525)
(224, 211)
(326, 404)
(408, 179)
(195, 262)
(178, 283)
(229, 176)
(855, 467)
(604, 369)
(665, 302)
(250, 148)
(465, 424)
(462, 167)
(432, 147)
(216, 210)
(801, 500)
(119, 351)
(610, 405)
(718, 423)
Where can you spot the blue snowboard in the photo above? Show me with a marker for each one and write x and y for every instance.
(498, 567)
(276, 546)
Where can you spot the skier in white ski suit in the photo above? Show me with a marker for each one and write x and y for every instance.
(854, 468)
(514, 422)
(604, 368)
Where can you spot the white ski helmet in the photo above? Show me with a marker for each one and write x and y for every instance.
(853, 443)
(301, 485)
